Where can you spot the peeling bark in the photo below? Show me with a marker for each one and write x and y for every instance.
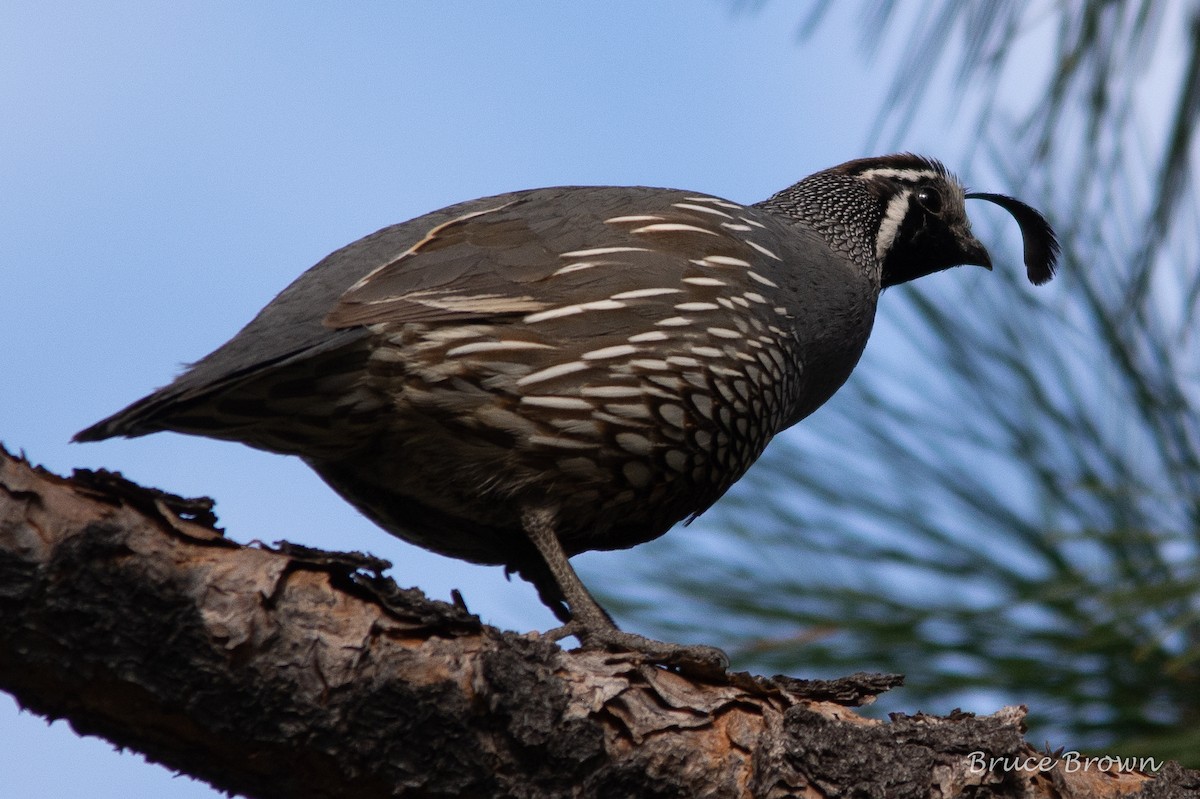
(298, 673)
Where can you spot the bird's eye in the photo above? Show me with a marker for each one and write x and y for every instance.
(930, 199)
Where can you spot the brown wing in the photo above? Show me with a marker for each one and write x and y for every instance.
(527, 256)
(539, 250)
(463, 266)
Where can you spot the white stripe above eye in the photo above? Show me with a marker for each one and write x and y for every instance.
(907, 175)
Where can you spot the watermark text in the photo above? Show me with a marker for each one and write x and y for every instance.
(1070, 762)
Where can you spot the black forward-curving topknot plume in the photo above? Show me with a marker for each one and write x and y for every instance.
(1041, 245)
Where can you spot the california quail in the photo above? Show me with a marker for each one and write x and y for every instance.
(519, 378)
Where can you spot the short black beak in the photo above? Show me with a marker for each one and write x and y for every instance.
(974, 253)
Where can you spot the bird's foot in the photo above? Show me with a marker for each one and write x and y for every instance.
(692, 659)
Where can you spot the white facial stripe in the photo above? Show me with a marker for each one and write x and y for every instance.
(889, 228)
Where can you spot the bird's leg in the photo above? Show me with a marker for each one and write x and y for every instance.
(591, 624)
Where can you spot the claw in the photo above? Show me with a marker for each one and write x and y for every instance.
(695, 660)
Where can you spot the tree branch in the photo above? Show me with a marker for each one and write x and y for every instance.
(297, 673)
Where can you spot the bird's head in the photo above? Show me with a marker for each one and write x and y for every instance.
(906, 216)
(924, 226)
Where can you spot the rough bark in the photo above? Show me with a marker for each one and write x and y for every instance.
(295, 673)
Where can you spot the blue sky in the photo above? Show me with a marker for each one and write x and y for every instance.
(167, 168)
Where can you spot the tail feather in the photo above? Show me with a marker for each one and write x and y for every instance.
(131, 422)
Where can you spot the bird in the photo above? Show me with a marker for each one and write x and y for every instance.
(519, 378)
